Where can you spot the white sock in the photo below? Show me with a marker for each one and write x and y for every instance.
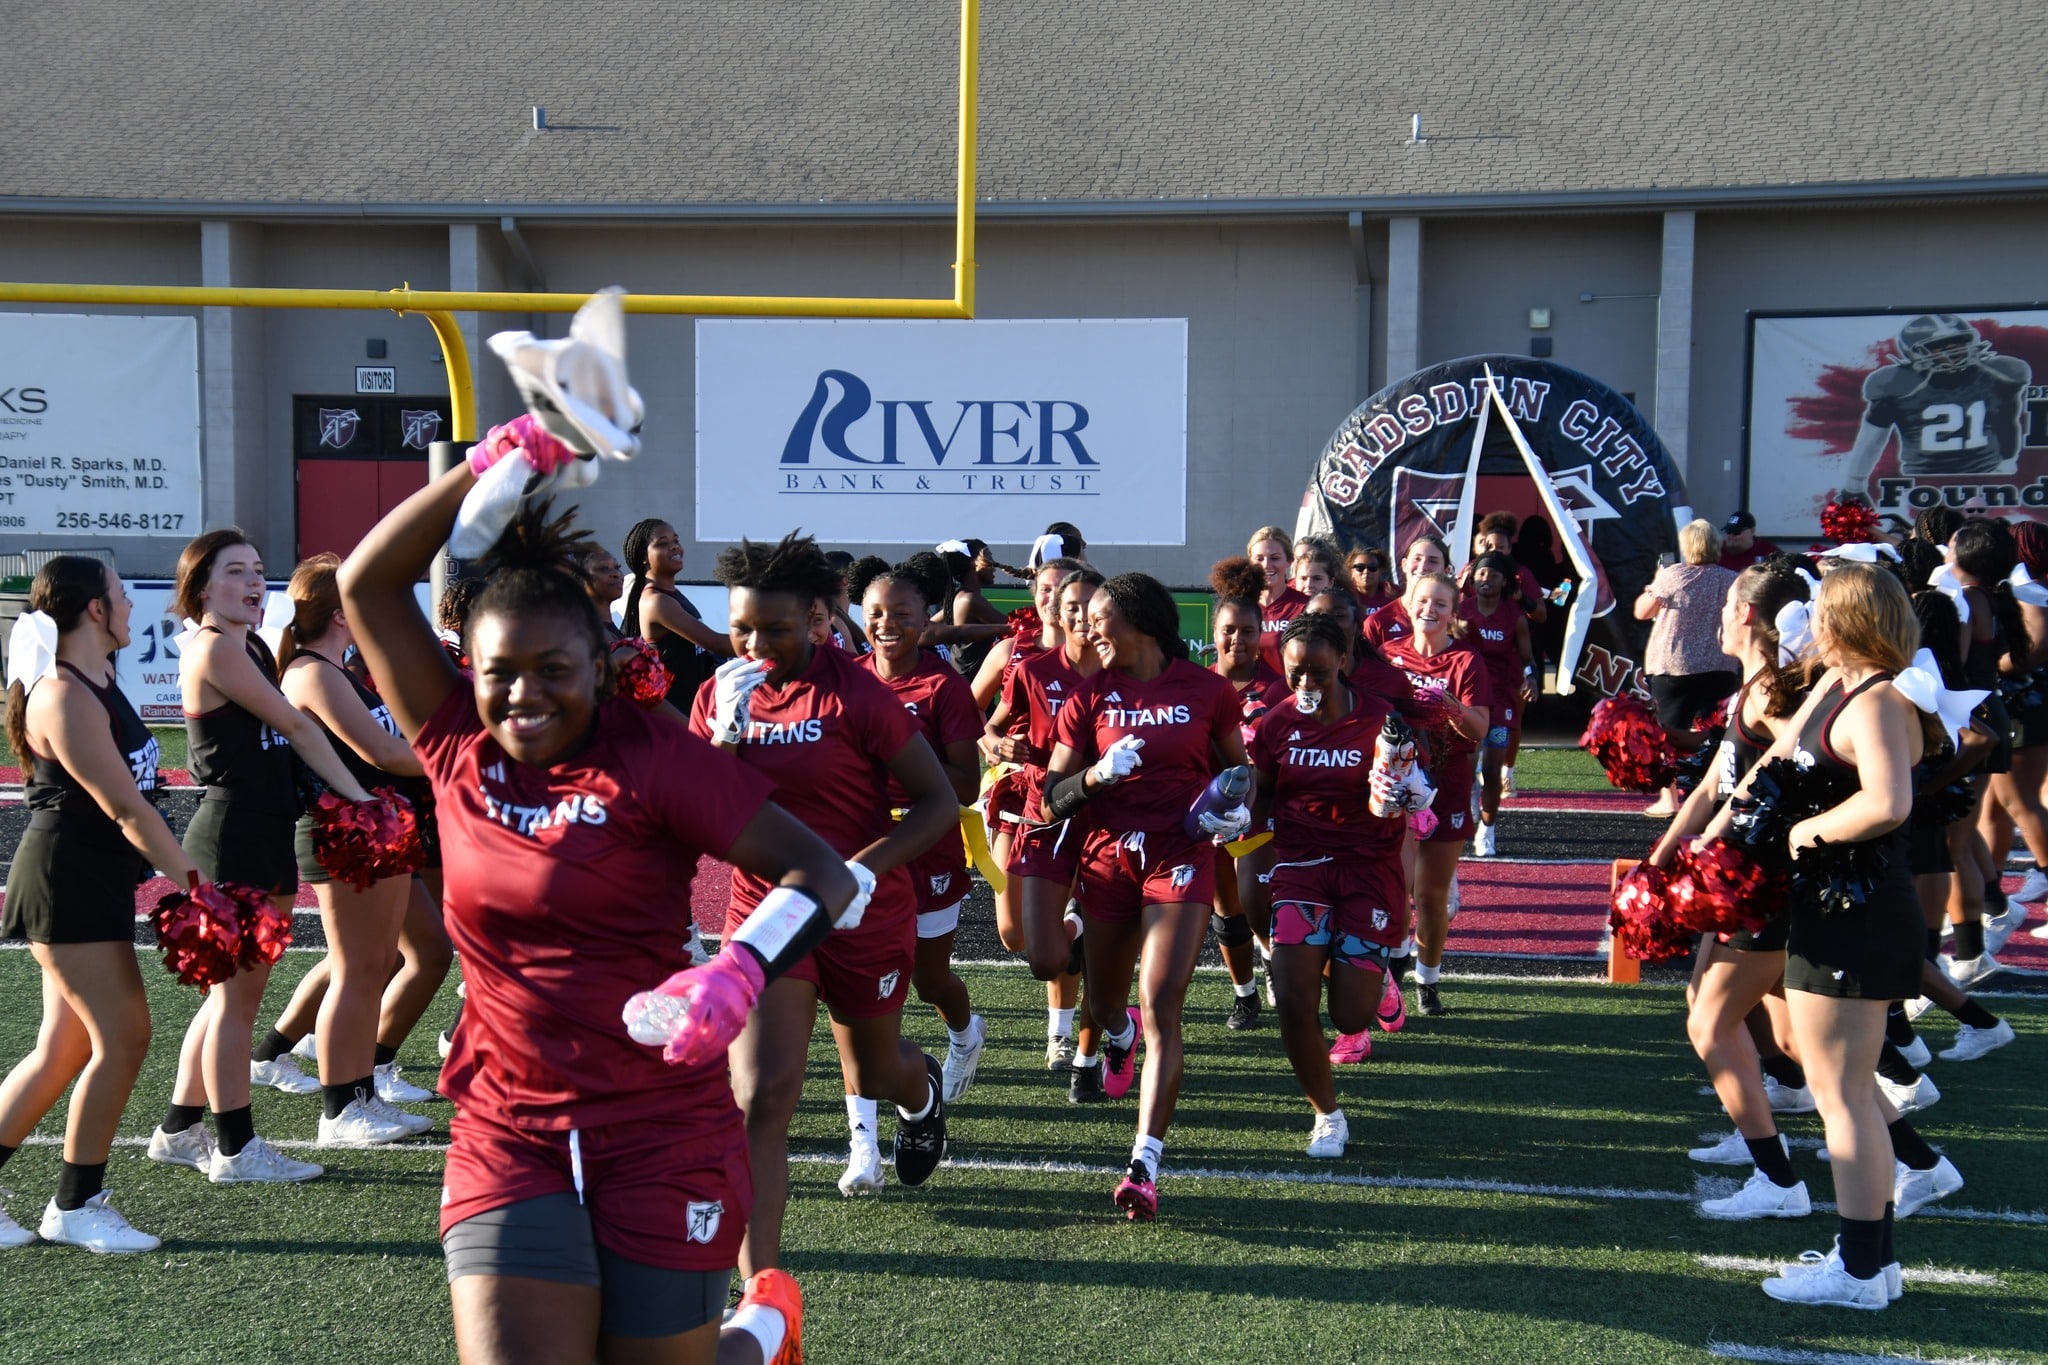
(1086, 1059)
(860, 1114)
(1059, 1023)
(763, 1324)
(1427, 974)
(1148, 1150)
(1407, 947)
(962, 1038)
(1129, 1037)
(1072, 919)
(1245, 988)
(931, 1097)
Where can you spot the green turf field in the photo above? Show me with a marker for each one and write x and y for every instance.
(1423, 1244)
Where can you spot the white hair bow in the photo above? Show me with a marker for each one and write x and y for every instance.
(1864, 552)
(1944, 581)
(1812, 583)
(1047, 546)
(577, 391)
(1921, 685)
(31, 649)
(953, 547)
(1795, 631)
(2026, 589)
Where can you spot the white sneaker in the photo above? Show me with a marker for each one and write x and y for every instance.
(1507, 783)
(1760, 1197)
(1485, 842)
(1786, 1099)
(1916, 1007)
(1916, 1054)
(1972, 1043)
(1965, 972)
(2033, 889)
(1822, 1279)
(963, 1062)
(1913, 1190)
(445, 1044)
(283, 1073)
(305, 1048)
(863, 1165)
(1894, 1282)
(1729, 1151)
(360, 1125)
(2038, 931)
(12, 1234)
(1908, 1099)
(259, 1163)
(1059, 1052)
(95, 1226)
(194, 1147)
(414, 1124)
(393, 1088)
(1999, 928)
(1453, 900)
(1329, 1135)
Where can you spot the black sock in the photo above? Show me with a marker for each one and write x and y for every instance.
(1897, 1027)
(1995, 901)
(335, 1098)
(1769, 1156)
(1785, 1071)
(1970, 939)
(274, 1046)
(76, 1184)
(1974, 1014)
(1885, 1254)
(1402, 966)
(386, 1054)
(5, 1152)
(1909, 1147)
(1932, 952)
(1894, 1067)
(1862, 1241)
(236, 1129)
(179, 1117)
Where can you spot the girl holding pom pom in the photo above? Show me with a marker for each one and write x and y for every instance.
(93, 834)
(241, 733)
(596, 1189)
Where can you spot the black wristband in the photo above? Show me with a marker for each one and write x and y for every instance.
(1067, 796)
(784, 927)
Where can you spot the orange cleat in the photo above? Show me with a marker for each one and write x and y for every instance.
(777, 1289)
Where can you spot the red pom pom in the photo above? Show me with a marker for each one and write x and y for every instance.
(1025, 622)
(216, 929)
(359, 842)
(1849, 522)
(642, 676)
(1633, 750)
(266, 930)
(1642, 917)
(1719, 888)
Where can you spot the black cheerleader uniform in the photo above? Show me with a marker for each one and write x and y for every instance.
(1870, 951)
(74, 874)
(1746, 747)
(687, 665)
(1980, 673)
(242, 831)
(367, 775)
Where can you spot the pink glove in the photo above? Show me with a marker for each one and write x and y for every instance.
(1423, 822)
(699, 1011)
(521, 436)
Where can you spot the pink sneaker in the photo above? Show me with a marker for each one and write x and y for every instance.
(1392, 1016)
(1351, 1048)
(1136, 1195)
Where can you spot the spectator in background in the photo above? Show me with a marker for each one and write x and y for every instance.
(606, 582)
(1689, 674)
(1741, 546)
(846, 632)
(1496, 535)
(1371, 585)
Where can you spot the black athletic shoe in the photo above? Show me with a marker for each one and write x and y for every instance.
(1084, 1085)
(1244, 1012)
(1427, 1001)
(920, 1145)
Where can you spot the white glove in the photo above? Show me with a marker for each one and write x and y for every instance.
(864, 880)
(1226, 826)
(1420, 793)
(731, 685)
(1120, 762)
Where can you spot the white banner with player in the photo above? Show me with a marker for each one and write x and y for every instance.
(99, 426)
(879, 432)
(1911, 408)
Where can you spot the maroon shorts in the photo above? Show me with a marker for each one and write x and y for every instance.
(1006, 804)
(1122, 873)
(1048, 852)
(938, 876)
(1357, 907)
(1453, 804)
(865, 972)
(679, 1205)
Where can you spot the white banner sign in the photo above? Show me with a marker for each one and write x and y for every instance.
(1911, 409)
(99, 426)
(879, 432)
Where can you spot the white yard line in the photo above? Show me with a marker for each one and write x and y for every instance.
(1778, 1355)
(1911, 1274)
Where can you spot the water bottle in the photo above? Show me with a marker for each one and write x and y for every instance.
(1394, 755)
(1226, 791)
(654, 1018)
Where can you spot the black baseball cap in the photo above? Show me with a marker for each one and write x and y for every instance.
(1741, 521)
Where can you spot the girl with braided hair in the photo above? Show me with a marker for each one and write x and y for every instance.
(595, 1194)
(1136, 748)
(657, 611)
(1340, 902)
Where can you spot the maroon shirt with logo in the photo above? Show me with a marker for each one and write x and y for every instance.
(1492, 638)
(1319, 776)
(1287, 604)
(1181, 715)
(1035, 694)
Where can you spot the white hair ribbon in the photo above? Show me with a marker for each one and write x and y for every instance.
(31, 649)
(1864, 552)
(1795, 631)
(2026, 589)
(1812, 583)
(953, 547)
(188, 632)
(1944, 581)
(1047, 546)
(1921, 685)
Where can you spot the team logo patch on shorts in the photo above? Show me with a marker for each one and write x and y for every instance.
(1458, 820)
(1181, 875)
(1379, 919)
(704, 1217)
(886, 987)
(942, 883)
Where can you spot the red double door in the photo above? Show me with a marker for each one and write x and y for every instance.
(357, 458)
